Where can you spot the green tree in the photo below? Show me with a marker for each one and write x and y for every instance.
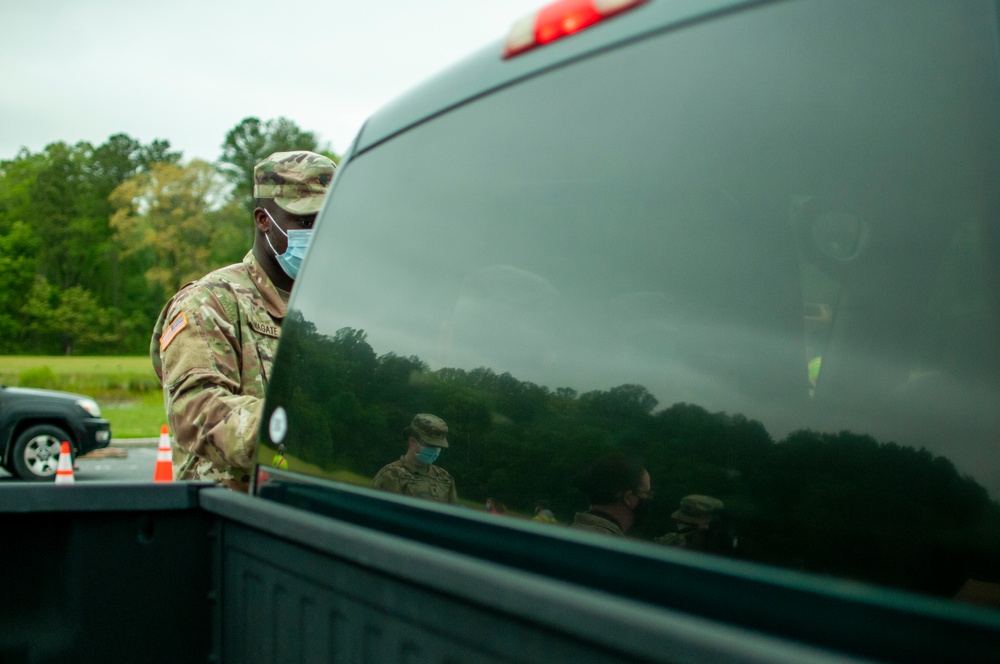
(55, 321)
(164, 214)
(61, 196)
(64, 216)
(252, 140)
(233, 233)
(157, 152)
(62, 193)
(18, 248)
(17, 178)
(36, 317)
(82, 324)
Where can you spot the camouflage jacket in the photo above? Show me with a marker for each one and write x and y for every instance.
(420, 480)
(212, 350)
(596, 523)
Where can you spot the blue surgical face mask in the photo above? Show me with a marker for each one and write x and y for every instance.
(428, 454)
(298, 242)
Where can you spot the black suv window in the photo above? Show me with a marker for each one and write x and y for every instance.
(758, 254)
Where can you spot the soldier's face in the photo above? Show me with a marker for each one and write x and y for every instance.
(285, 222)
(644, 490)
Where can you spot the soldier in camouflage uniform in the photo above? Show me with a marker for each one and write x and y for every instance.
(543, 513)
(414, 473)
(620, 495)
(695, 518)
(215, 340)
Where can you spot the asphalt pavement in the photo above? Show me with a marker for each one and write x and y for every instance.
(126, 460)
(137, 465)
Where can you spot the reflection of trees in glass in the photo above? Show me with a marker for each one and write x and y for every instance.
(841, 504)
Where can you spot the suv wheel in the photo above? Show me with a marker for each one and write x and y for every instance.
(35, 454)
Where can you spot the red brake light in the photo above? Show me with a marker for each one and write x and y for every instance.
(564, 18)
(560, 19)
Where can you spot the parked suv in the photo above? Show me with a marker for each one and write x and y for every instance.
(752, 246)
(34, 424)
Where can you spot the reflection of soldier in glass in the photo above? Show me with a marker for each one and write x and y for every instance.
(620, 495)
(697, 521)
(279, 460)
(415, 474)
(543, 513)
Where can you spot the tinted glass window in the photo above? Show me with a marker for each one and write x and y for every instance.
(758, 255)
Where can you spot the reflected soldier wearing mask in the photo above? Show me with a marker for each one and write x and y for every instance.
(697, 521)
(620, 495)
(415, 473)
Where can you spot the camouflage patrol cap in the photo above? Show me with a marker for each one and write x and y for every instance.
(430, 429)
(297, 181)
(698, 510)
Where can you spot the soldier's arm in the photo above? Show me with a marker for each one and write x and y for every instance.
(201, 380)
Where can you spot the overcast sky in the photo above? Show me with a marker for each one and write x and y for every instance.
(188, 71)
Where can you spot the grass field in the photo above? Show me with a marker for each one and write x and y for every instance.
(125, 387)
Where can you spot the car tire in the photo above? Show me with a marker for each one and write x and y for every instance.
(35, 455)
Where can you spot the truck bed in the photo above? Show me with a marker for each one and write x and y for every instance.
(188, 572)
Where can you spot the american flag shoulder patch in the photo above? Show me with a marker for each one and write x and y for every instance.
(173, 330)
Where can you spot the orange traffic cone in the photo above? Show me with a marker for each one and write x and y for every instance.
(164, 462)
(64, 471)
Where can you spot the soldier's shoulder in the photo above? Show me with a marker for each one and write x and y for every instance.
(225, 279)
(216, 287)
(395, 468)
(440, 473)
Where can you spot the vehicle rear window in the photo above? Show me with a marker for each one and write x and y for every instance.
(758, 254)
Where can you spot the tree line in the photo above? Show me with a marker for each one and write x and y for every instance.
(94, 239)
(842, 504)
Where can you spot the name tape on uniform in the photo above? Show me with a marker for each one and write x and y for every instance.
(262, 328)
